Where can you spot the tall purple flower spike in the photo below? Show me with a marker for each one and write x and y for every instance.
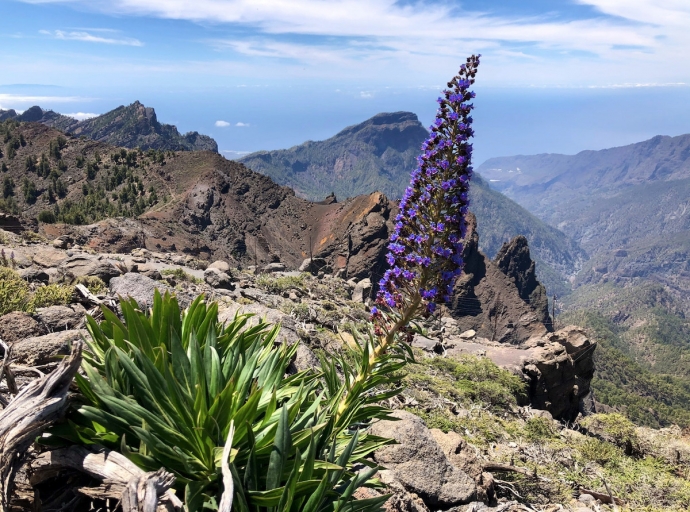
(425, 250)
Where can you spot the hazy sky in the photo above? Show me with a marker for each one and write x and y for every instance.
(556, 76)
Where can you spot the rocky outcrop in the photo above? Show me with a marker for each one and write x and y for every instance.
(513, 259)
(557, 367)
(488, 300)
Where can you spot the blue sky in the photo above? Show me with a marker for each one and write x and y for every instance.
(556, 76)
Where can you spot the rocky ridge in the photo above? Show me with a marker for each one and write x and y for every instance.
(129, 126)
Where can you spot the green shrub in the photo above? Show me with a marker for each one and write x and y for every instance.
(166, 388)
(280, 284)
(614, 428)
(181, 275)
(14, 291)
(539, 429)
(47, 217)
(93, 283)
(50, 295)
(479, 379)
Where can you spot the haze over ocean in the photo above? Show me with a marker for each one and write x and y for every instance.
(557, 76)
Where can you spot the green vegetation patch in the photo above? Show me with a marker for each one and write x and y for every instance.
(280, 284)
(181, 275)
(468, 379)
(15, 294)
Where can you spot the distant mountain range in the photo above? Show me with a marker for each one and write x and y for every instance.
(379, 154)
(132, 126)
(628, 207)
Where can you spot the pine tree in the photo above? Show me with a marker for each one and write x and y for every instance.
(30, 191)
(7, 187)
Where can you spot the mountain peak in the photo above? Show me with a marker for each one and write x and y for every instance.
(131, 126)
(388, 120)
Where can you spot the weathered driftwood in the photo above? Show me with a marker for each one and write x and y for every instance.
(142, 492)
(30, 412)
(120, 477)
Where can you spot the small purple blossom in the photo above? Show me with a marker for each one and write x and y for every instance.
(425, 253)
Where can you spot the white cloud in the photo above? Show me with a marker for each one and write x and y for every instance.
(80, 116)
(90, 38)
(10, 99)
(233, 154)
(241, 124)
(222, 124)
(366, 94)
(626, 41)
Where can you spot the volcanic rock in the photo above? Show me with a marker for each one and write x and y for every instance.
(419, 464)
(17, 325)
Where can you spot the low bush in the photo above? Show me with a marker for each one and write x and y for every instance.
(50, 295)
(94, 284)
(15, 294)
(280, 284)
(14, 291)
(181, 275)
(167, 388)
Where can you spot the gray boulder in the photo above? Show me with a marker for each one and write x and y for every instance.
(78, 266)
(35, 274)
(57, 318)
(313, 265)
(17, 325)
(46, 349)
(218, 279)
(138, 287)
(223, 266)
(419, 463)
(274, 267)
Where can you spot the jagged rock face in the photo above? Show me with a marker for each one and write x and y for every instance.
(488, 301)
(513, 259)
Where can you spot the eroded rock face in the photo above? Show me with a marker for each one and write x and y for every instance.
(513, 259)
(419, 463)
(488, 296)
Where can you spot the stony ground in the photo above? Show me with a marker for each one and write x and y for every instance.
(467, 439)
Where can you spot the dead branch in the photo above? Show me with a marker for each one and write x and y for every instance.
(604, 498)
(30, 412)
(117, 473)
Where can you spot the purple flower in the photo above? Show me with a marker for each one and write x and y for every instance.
(426, 249)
